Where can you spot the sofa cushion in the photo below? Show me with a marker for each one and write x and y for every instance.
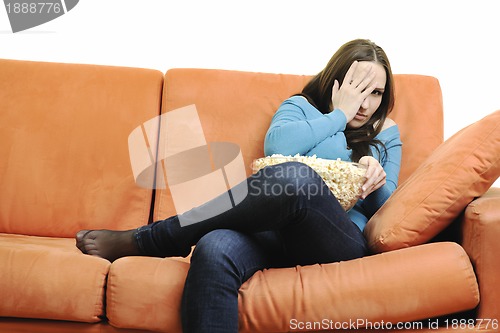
(462, 168)
(237, 107)
(404, 285)
(420, 120)
(233, 106)
(49, 278)
(145, 293)
(398, 286)
(64, 131)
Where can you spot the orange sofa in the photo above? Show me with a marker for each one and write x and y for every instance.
(65, 166)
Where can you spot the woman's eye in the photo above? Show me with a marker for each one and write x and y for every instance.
(377, 92)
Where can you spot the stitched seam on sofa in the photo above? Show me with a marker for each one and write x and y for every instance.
(482, 248)
(110, 293)
(158, 97)
(101, 294)
(161, 195)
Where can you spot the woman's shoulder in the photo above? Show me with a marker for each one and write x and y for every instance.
(297, 100)
(389, 131)
(388, 123)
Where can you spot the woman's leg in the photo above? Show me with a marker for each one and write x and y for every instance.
(289, 197)
(332, 237)
(280, 197)
(221, 262)
(224, 259)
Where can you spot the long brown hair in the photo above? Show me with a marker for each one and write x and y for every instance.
(319, 92)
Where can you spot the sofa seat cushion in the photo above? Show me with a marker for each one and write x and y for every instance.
(49, 278)
(404, 285)
(145, 293)
(399, 286)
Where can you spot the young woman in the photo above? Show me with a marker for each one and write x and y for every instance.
(341, 113)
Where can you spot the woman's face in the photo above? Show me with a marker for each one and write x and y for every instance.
(372, 102)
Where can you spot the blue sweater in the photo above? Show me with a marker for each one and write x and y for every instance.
(298, 127)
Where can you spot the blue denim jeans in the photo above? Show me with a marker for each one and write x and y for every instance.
(289, 217)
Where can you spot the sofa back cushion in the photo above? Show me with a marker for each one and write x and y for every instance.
(63, 140)
(237, 107)
(418, 111)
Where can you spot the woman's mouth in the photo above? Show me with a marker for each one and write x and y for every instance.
(360, 116)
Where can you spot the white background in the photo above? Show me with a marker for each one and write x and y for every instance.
(456, 41)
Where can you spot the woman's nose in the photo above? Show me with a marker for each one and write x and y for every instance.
(365, 104)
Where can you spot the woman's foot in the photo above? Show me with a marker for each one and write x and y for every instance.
(107, 244)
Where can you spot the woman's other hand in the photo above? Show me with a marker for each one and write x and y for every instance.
(375, 175)
(357, 85)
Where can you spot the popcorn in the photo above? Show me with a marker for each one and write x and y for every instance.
(344, 179)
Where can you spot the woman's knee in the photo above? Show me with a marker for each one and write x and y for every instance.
(216, 247)
(223, 251)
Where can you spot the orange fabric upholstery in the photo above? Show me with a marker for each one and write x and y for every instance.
(49, 278)
(145, 293)
(380, 287)
(242, 114)
(271, 299)
(481, 232)
(461, 169)
(21, 325)
(418, 111)
(65, 166)
(63, 140)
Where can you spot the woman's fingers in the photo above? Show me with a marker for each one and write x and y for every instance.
(375, 175)
(373, 184)
(362, 77)
(369, 89)
(350, 73)
(335, 89)
(358, 84)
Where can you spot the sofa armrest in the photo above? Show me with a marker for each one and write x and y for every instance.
(481, 235)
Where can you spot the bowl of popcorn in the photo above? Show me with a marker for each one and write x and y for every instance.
(344, 179)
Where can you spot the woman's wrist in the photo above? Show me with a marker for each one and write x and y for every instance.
(339, 117)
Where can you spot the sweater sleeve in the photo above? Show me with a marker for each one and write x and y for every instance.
(297, 127)
(390, 159)
(391, 162)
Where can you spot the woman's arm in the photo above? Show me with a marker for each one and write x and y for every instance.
(297, 127)
(391, 164)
